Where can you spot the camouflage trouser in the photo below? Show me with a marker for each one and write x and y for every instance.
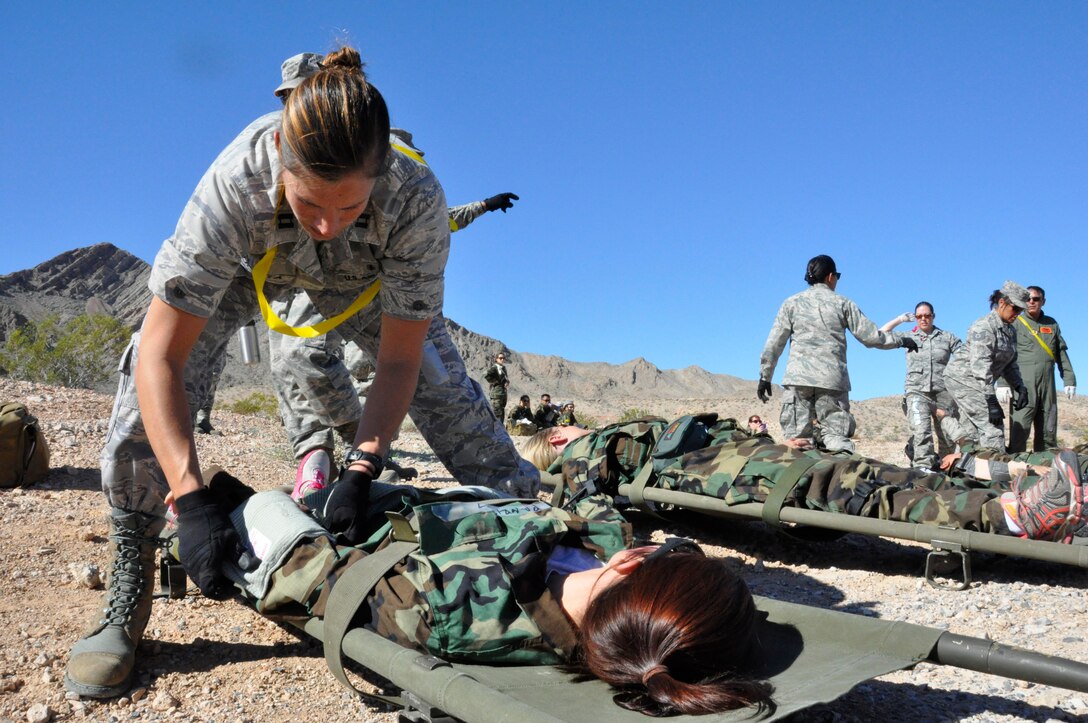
(498, 402)
(829, 407)
(848, 485)
(314, 388)
(448, 408)
(1040, 415)
(969, 418)
(204, 410)
(919, 408)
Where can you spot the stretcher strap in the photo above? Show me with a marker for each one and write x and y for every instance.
(1037, 337)
(348, 595)
(732, 467)
(772, 506)
(637, 492)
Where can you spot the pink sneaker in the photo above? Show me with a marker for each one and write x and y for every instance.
(313, 473)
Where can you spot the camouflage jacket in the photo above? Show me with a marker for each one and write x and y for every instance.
(497, 378)
(737, 466)
(461, 216)
(236, 216)
(567, 419)
(546, 416)
(518, 413)
(815, 322)
(925, 367)
(988, 355)
(475, 590)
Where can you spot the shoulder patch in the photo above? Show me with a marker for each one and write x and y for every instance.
(1046, 330)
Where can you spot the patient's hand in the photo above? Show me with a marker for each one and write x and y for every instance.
(950, 459)
(801, 444)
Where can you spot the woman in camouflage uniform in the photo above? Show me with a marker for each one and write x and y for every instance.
(501, 581)
(737, 466)
(988, 354)
(312, 198)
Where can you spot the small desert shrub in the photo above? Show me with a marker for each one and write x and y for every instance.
(587, 421)
(629, 415)
(257, 404)
(82, 352)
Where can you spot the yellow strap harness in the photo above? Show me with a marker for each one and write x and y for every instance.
(260, 275)
(1037, 337)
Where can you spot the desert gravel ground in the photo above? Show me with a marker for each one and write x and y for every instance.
(204, 660)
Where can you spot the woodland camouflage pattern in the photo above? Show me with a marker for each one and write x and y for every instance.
(738, 467)
(475, 589)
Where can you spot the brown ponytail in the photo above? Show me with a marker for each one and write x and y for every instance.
(676, 636)
(335, 122)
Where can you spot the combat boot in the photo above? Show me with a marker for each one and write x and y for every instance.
(101, 663)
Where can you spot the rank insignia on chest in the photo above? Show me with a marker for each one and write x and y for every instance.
(285, 220)
(363, 221)
(1046, 330)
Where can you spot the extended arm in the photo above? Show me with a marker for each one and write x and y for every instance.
(901, 319)
(865, 331)
(400, 354)
(461, 216)
(167, 338)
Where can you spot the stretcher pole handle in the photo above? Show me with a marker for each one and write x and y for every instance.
(988, 656)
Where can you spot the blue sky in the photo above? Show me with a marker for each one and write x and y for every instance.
(678, 163)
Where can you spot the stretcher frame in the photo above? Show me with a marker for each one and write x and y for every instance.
(435, 691)
(833, 652)
(950, 547)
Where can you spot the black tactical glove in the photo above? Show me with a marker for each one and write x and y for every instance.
(345, 509)
(227, 490)
(997, 415)
(763, 391)
(909, 344)
(205, 540)
(503, 201)
(1021, 400)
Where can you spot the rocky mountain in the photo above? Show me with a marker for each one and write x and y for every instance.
(107, 279)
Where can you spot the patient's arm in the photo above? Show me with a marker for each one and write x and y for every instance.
(988, 469)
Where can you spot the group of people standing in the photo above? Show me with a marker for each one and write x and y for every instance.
(955, 390)
(321, 217)
(523, 420)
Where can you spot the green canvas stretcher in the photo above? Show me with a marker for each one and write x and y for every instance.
(814, 656)
(950, 547)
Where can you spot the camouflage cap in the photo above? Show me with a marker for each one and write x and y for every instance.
(297, 68)
(1016, 294)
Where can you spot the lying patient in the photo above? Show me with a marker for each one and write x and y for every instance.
(518, 581)
(998, 495)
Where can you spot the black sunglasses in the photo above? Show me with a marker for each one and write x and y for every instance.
(1035, 298)
(675, 544)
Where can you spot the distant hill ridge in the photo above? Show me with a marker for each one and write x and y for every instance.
(105, 278)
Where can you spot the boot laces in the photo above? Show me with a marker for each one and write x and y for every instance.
(127, 579)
